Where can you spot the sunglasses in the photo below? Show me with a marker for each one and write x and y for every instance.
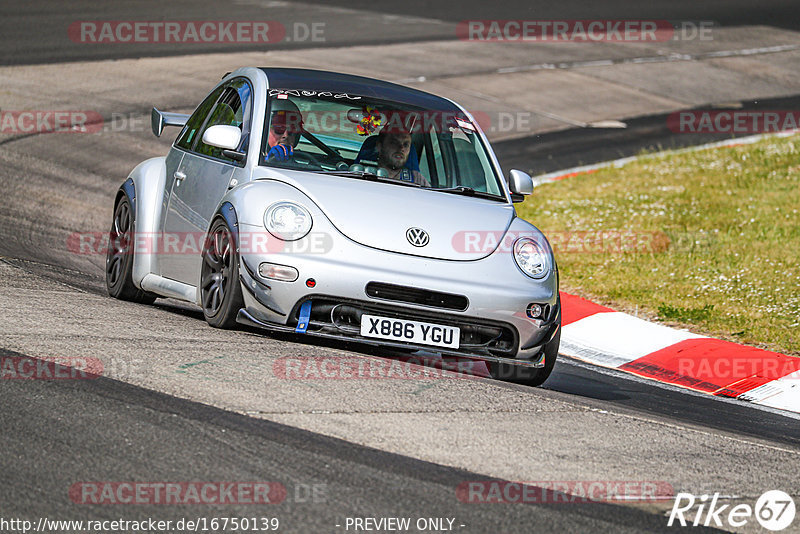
(280, 129)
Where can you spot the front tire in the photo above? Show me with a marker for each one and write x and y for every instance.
(529, 376)
(220, 289)
(119, 258)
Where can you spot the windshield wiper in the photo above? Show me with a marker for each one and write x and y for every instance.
(346, 172)
(371, 176)
(458, 189)
(467, 191)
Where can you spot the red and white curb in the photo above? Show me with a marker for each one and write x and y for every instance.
(607, 338)
(604, 337)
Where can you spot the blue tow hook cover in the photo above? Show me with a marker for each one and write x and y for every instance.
(305, 315)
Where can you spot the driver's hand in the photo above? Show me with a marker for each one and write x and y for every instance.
(280, 153)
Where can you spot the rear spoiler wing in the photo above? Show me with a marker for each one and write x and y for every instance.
(159, 119)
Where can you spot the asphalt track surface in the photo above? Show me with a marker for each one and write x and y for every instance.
(165, 438)
(56, 433)
(33, 31)
(573, 147)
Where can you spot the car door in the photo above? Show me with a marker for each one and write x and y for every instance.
(199, 182)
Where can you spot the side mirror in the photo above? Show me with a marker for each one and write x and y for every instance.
(520, 184)
(222, 136)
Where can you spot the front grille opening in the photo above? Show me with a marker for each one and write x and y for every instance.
(414, 295)
(344, 317)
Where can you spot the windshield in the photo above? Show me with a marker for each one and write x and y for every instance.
(361, 137)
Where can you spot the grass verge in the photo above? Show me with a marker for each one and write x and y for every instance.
(708, 240)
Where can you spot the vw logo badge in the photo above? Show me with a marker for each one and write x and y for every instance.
(417, 237)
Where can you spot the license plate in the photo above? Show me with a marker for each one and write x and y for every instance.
(410, 331)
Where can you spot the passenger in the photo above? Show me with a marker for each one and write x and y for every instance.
(393, 148)
(285, 127)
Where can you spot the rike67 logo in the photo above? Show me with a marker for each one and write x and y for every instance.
(774, 510)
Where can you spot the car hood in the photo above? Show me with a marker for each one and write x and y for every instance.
(379, 215)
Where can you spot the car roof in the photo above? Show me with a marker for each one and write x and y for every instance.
(335, 82)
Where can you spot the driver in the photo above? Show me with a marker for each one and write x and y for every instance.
(393, 147)
(285, 127)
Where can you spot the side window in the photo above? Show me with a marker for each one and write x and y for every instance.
(228, 112)
(189, 133)
(230, 105)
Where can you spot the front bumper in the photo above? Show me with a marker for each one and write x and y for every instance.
(494, 322)
(244, 317)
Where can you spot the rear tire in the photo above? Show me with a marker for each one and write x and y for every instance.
(119, 258)
(220, 289)
(529, 376)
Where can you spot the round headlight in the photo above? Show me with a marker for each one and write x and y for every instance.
(531, 257)
(287, 221)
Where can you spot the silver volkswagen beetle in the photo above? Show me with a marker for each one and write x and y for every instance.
(344, 207)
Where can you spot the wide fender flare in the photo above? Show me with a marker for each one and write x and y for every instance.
(146, 183)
